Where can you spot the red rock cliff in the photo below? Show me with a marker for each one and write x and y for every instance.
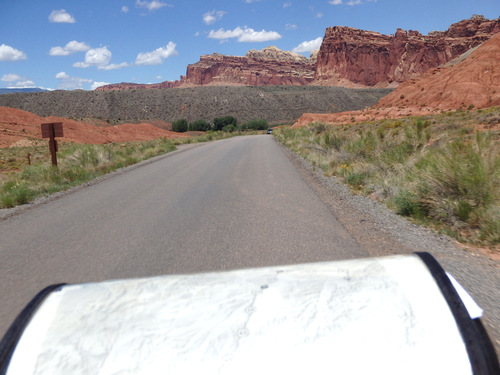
(271, 66)
(358, 57)
(347, 57)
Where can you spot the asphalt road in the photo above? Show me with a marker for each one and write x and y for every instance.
(237, 203)
(223, 205)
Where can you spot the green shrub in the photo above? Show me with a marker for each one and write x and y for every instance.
(8, 201)
(407, 204)
(229, 128)
(199, 125)
(221, 122)
(331, 140)
(180, 126)
(256, 124)
(356, 179)
(489, 230)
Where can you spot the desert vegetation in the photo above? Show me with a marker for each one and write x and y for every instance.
(442, 171)
(275, 104)
(227, 124)
(27, 172)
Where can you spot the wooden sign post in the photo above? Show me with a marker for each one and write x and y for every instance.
(51, 130)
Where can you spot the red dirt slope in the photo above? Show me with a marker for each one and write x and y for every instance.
(16, 126)
(474, 81)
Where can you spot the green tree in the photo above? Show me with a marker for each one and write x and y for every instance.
(256, 124)
(221, 122)
(229, 128)
(180, 126)
(199, 125)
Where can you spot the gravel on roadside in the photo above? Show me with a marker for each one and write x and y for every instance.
(384, 233)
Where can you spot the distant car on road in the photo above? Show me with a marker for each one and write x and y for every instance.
(270, 131)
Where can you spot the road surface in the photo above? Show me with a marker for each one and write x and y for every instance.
(229, 204)
(222, 205)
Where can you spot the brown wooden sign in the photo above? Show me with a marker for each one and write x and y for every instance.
(52, 130)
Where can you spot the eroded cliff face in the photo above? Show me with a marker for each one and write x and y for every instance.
(270, 66)
(348, 57)
(351, 56)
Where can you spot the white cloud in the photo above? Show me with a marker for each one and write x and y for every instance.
(157, 56)
(210, 18)
(16, 81)
(95, 57)
(287, 4)
(11, 77)
(25, 84)
(124, 9)
(308, 46)
(7, 53)
(71, 83)
(62, 75)
(290, 26)
(98, 84)
(69, 48)
(319, 15)
(151, 5)
(113, 66)
(244, 35)
(61, 16)
(350, 2)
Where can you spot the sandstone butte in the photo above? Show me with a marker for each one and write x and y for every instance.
(473, 80)
(356, 57)
(269, 66)
(19, 126)
(347, 57)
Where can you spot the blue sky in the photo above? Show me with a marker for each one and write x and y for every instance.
(81, 44)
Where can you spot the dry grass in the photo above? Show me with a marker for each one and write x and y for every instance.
(441, 170)
(21, 183)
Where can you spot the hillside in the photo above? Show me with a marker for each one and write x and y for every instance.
(20, 127)
(276, 104)
(20, 90)
(472, 81)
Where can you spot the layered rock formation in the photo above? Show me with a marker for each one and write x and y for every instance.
(351, 56)
(348, 57)
(471, 81)
(271, 66)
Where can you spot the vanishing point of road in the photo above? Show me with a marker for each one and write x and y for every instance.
(235, 203)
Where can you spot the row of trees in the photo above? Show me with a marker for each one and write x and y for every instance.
(226, 123)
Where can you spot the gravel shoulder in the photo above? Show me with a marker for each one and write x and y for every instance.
(384, 233)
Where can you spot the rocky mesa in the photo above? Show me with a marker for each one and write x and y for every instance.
(269, 66)
(351, 56)
(347, 57)
(470, 81)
